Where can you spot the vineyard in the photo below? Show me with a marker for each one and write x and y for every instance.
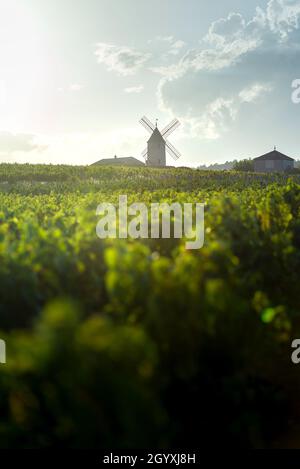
(141, 343)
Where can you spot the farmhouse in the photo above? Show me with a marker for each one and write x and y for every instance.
(274, 161)
(125, 161)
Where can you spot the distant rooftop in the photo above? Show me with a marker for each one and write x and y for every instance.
(123, 161)
(274, 155)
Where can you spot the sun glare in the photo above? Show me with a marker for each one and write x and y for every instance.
(23, 66)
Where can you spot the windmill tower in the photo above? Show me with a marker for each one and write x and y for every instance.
(157, 145)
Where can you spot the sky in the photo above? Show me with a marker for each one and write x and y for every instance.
(76, 76)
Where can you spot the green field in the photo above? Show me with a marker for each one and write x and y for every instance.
(123, 343)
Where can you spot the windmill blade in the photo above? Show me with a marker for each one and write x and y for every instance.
(148, 121)
(164, 130)
(170, 128)
(144, 153)
(172, 151)
(147, 127)
(147, 124)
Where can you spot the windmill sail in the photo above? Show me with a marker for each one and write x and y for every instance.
(170, 128)
(147, 124)
(144, 153)
(172, 151)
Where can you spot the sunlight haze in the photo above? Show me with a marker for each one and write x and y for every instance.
(76, 77)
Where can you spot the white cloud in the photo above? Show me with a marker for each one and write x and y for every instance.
(75, 87)
(219, 114)
(225, 30)
(134, 89)
(214, 120)
(12, 143)
(120, 59)
(174, 45)
(252, 93)
(79, 147)
(238, 63)
(283, 16)
(168, 39)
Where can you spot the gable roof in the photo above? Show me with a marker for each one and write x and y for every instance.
(125, 161)
(274, 155)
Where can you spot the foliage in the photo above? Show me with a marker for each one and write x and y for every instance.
(244, 165)
(142, 343)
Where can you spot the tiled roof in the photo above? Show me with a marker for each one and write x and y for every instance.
(274, 155)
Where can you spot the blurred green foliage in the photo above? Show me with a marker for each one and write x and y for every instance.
(244, 165)
(142, 343)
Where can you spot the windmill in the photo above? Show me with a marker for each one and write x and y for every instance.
(157, 145)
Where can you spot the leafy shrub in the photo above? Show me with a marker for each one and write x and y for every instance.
(142, 343)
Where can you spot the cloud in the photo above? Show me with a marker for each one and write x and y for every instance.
(283, 16)
(219, 114)
(213, 120)
(251, 94)
(73, 147)
(134, 89)
(75, 87)
(11, 143)
(238, 64)
(168, 39)
(121, 59)
(87, 147)
(174, 45)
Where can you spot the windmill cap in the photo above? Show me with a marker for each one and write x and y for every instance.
(156, 135)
